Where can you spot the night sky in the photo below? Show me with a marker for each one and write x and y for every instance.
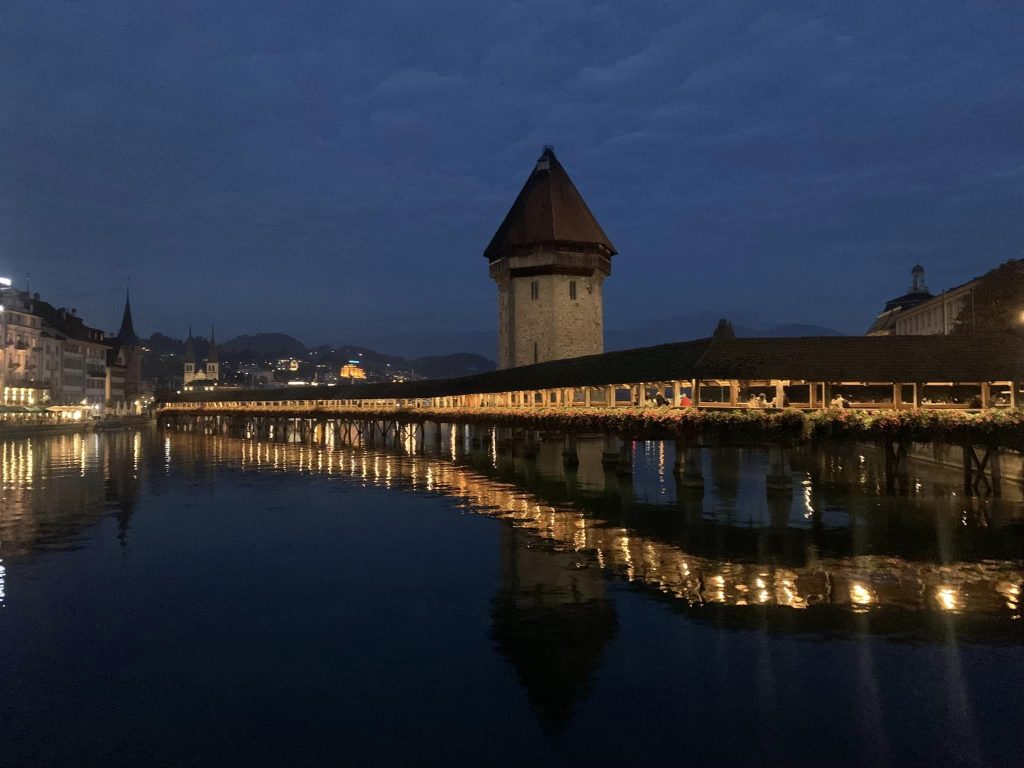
(334, 170)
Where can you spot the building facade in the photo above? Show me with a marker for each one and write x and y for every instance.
(919, 313)
(50, 356)
(549, 259)
(204, 374)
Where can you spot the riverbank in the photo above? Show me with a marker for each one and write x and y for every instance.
(13, 429)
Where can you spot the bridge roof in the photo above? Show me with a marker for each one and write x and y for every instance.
(967, 358)
(955, 358)
(549, 211)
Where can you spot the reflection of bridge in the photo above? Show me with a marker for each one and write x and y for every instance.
(893, 594)
(329, 423)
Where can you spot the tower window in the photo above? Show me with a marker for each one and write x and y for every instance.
(572, 290)
(534, 289)
(535, 351)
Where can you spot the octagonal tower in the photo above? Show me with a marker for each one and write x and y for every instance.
(549, 258)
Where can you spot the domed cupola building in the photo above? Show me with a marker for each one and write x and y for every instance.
(885, 323)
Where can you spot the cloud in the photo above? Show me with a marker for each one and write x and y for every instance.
(340, 148)
(416, 82)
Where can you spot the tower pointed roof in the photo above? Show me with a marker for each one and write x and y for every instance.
(126, 334)
(190, 349)
(549, 211)
(212, 356)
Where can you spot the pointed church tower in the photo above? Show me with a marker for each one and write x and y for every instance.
(190, 358)
(126, 334)
(129, 351)
(212, 363)
(549, 258)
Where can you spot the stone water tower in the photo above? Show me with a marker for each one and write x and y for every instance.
(549, 258)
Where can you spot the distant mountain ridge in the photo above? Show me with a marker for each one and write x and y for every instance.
(270, 344)
(261, 347)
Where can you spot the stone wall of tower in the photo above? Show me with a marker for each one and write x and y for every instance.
(554, 325)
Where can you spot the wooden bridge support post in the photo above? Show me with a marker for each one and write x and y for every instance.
(995, 471)
(610, 452)
(779, 477)
(624, 465)
(896, 472)
(688, 467)
(505, 441)
(976, 482)
(530, 447)
(570, 455)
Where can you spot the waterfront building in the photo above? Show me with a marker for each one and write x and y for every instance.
(885, 323)
(22, 370)
(50, 356)
(549, 259)
(80, 373)
(919, 313)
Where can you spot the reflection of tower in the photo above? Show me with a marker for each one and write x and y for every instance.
(121, 482)
(552, 621)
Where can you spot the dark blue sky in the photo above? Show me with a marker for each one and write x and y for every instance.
(334, 170)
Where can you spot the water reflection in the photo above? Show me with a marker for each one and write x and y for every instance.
(835, 549)
(552, 620)
(52, 488)
(734, 554)
(833, 557)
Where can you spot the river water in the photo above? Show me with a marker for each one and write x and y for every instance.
(177, 599)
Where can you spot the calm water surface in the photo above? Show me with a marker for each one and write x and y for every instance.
(174, 599)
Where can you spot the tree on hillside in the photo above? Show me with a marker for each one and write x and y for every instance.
(998, 302)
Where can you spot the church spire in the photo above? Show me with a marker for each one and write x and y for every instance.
(190, 350)
(126, 334)
(212, 356)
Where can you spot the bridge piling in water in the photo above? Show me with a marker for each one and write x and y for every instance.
(688, 467)
(779, 479)
(570, 453)
(982, 473)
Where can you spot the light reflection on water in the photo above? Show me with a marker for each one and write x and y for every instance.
(854, 583)
(836, 559)
(701, 552)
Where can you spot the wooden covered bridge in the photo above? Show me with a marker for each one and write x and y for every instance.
(720, 372)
